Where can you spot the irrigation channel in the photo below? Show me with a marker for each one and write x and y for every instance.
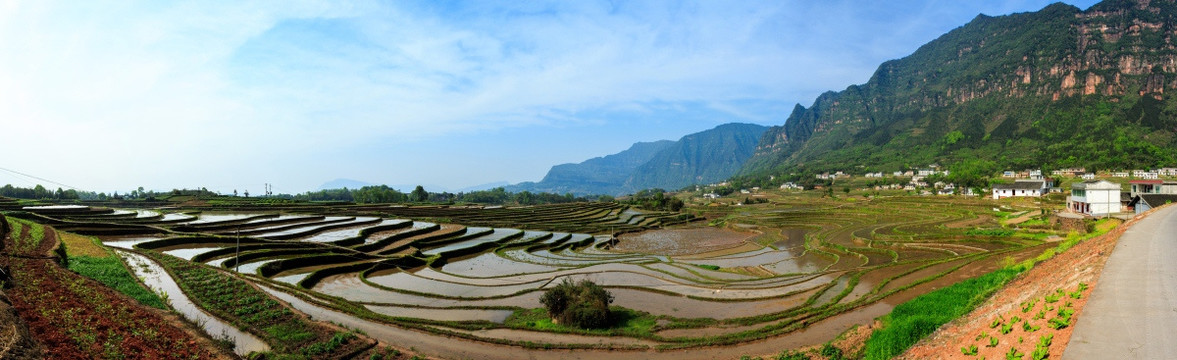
(459, 282)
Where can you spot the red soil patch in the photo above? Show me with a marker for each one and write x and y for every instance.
(77, 318)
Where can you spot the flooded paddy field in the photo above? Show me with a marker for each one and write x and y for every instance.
(767, 276)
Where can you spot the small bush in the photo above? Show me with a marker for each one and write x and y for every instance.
(792, 355)
(584, 304)
(831, 352)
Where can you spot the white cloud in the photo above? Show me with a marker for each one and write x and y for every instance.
(210, 93)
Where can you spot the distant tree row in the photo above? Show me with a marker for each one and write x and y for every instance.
(385, 194)
(41, 193)
(654, 199)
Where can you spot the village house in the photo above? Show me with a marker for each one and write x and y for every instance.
(1138, 187)
(1088, 176)
(1094, 198)
(1120, 174)
(1070, 172)
(710, 196)
(790, 186)
(1009, 174)
(1020, 187)
(1167, 171)
(1148, 175)
(1035, 174)
(1145, 202)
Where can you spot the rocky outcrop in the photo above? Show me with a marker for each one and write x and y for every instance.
(1118, 50)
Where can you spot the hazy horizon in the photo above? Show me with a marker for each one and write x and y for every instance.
(110, 97)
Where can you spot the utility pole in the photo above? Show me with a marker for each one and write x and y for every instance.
(237, 257)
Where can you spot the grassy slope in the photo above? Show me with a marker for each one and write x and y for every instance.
(91, 260)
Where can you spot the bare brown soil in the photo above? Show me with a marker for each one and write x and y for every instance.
(1081, 264)
(675, 242)
(15, 340)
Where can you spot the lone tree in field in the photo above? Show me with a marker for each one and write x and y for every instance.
(419, 194)
(583, 304)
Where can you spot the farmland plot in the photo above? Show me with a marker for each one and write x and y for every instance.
(788, 274)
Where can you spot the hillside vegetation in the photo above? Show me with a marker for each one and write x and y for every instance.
(1055, 88)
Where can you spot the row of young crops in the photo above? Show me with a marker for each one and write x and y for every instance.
(416, 267)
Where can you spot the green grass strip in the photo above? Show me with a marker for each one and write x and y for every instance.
(111, 272)
(911, 321)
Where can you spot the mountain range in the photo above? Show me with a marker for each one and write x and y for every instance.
(1060, 87)
(704, 157)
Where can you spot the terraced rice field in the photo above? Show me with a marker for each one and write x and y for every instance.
(459, 281)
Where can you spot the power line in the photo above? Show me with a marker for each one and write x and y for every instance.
(40, 178)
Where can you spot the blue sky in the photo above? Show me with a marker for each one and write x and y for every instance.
(228, 95)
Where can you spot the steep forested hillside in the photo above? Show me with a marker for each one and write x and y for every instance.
(701, 158)
(1059, 87)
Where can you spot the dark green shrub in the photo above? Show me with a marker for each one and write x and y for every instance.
(584, 304)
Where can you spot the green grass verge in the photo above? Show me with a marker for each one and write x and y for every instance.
(111, 272)
(625, 322)
(911, 321)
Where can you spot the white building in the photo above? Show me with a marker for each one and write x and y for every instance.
(1147, 175)
(1020, 187)
(1094, 198)
(1088, 176)
(1120, 174)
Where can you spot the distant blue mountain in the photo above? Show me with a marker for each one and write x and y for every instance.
(699, 158)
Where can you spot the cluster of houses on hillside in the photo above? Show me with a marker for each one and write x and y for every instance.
(1089, 197)
(922, 172)
(1083, 173)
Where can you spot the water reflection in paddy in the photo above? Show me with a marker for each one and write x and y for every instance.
(159, 281)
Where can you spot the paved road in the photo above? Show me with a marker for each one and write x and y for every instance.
(1132, 313)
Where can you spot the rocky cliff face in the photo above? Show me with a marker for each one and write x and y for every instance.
(991, 79)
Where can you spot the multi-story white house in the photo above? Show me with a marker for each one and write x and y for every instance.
(1020, 187)
(1094, 198)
